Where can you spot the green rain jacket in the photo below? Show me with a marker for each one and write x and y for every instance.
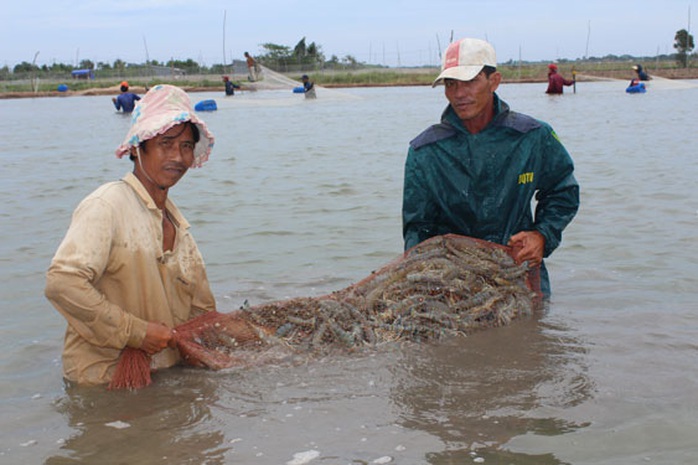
(483, 185)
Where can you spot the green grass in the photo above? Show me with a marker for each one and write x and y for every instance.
(526, 72)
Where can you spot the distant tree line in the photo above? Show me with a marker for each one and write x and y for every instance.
(303, 57)
(118, 70)
(281, 58)
(683, 43)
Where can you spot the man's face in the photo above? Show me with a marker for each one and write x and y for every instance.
(472, 99)
(168, 156)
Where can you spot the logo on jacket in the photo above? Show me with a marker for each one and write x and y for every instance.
(526, 178)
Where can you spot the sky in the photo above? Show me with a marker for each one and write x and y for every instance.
(385, 32)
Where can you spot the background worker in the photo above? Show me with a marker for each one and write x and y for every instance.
(641, 73)
(640, 76)
(477, 172)
(126, 100)
(128, 269)
(251, 67)
(308, 87)
(556, 81)
(230, 86)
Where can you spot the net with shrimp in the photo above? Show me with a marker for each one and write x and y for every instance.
(446, 286)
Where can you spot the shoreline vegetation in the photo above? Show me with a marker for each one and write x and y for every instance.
(368, 77)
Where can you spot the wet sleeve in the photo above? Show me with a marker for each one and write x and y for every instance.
(558, 194)
(418, 208)
(78, 263)
(203, 300)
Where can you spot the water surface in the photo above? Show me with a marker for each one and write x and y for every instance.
(302, 198)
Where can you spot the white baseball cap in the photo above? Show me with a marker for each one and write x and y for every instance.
(464, 59)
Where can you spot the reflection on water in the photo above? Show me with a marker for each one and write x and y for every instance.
(440, 404)
(165, 424)
(477, 393)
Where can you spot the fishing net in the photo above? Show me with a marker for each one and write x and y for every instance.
(446, 286)
(269, 79)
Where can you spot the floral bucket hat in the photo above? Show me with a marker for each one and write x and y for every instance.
(161, 108)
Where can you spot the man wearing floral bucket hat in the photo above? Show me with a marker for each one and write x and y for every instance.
(477, 172)
(128, 269)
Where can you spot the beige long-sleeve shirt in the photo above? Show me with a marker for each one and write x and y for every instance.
(110, 277)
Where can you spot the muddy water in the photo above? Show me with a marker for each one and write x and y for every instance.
(301, 198)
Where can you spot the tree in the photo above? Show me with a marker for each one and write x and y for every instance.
(300, 49)
(315, 53)
(350, 62)
(189, 66)
(683, 43)
(87, 64)
(119, 65)
(25, 67)
(275, 52)
(307, 56)
(276, 56)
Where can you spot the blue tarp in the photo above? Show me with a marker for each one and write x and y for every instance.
(83, 74)
(636, 89)
(206, 105)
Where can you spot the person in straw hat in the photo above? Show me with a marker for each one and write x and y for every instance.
(128, 269)
(477, 172)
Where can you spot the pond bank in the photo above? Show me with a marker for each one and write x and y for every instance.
(384, 78)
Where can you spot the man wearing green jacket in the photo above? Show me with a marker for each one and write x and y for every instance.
(478, 172)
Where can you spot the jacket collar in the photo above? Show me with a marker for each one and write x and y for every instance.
(131, 180)
(501, 110)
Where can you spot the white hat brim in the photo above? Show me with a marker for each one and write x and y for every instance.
(460, 73)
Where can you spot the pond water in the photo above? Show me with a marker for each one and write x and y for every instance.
(303, 197)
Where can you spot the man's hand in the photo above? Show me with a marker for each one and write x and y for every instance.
(157, 337)
(528, 247)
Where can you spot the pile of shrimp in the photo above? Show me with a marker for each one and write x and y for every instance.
(446, 286)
